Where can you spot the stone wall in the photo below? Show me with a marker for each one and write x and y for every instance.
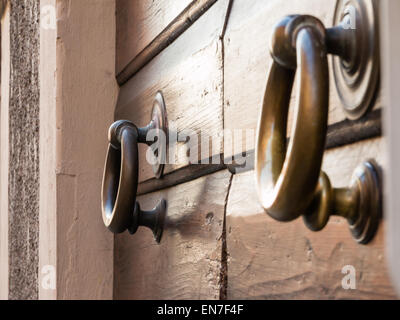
(24, 150)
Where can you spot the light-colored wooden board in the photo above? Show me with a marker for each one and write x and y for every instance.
(139, 22)
(168, 35)
(78, 95)
(268, 259)
(189, 74)
(247, 59)
(187, 263)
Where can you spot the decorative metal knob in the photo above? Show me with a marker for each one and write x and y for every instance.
(120, 210)
(289, 178)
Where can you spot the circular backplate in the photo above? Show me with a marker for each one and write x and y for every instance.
(367, 181)
(357, 87)
(159, 118)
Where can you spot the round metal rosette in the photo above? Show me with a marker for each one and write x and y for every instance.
(357, 78)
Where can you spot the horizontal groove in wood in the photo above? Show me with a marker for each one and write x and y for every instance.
(339, 134)
(347, 131)
(182, 175)
(193, 12)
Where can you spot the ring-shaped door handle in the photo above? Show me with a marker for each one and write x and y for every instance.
(289, 178)
(120, 209)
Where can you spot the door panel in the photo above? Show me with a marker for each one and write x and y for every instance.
(139, 22)
(247, 59)
(188, 262)
(213, 78)
(189, 74)
(274, 260)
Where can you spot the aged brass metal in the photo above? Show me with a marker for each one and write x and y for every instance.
(357, 65)
(120, 210)
(289, 178)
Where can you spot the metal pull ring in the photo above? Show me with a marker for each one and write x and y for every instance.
(289, 178)
(120, 210)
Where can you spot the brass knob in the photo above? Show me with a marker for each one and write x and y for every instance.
(120, 210)
(289, 178)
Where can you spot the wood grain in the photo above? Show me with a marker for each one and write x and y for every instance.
(182, 175)
(273, 260)
(189, 74)
(247, 59)
(179, 25)
(187, 263)
(139, 22)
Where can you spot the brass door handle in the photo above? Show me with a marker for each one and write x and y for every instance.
(120, 210)
(289, 178)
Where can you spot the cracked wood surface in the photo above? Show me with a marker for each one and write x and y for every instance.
(189, 74)
(187, 263)
(273, 260)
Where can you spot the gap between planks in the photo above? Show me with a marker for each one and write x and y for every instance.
(223, 293)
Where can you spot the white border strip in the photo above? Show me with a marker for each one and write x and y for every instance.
(4, 154)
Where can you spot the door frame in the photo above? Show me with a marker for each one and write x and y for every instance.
(390, 53)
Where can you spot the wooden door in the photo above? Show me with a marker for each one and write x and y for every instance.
(210, 60)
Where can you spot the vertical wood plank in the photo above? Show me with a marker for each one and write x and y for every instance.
(390, 53)
(274, 260)
(190, 75)
(187, 263)
(86, 93)
(139, 22)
